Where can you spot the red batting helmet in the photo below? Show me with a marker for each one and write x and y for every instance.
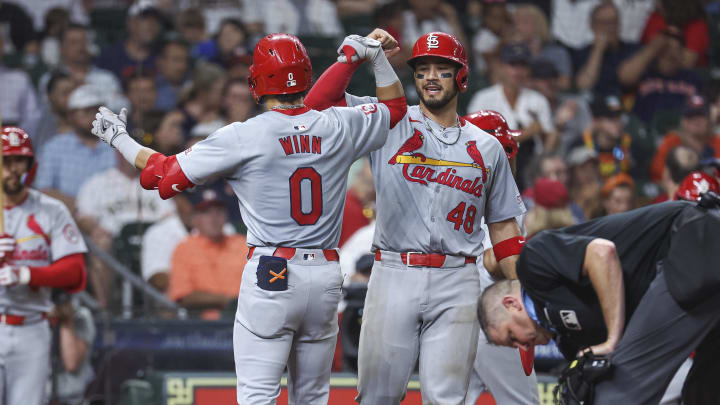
(494, 123)
(694, 184)
(281, 65)
(444, 46)
(16, 142)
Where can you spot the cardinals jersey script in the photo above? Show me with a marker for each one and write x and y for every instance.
(289, 172)
(45, 232)
(434, 186)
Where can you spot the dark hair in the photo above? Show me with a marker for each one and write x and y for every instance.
(139, 75)
(55, 78)
(174, 40)
(70, 27)
(682, 13)
(235, 23)
(600, 7)
(679, 168)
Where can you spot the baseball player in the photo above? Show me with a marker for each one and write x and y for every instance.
(435, 178)
(498, 369)
(41, 249)
(637, 286)
(288, 168)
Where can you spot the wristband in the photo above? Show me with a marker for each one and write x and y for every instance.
(508, 247)
(384, 73)
(126, 146)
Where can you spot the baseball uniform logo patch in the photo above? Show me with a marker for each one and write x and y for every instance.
(272, 273)
(569, 319)
(368, 108)
(70, 233)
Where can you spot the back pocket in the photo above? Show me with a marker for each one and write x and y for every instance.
(272, 273)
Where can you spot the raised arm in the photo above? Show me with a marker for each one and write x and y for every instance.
(602, 266)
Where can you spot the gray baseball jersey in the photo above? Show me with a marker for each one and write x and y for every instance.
(45, 232)
(289, 172)
(434, 186)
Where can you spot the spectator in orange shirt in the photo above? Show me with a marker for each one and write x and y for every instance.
(695, 132)
(207, 266)
(619, 194)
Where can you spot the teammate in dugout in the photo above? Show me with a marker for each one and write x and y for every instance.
(41, 249)
(288, 168)
(508, 377)
(435, 178)
(640, 287)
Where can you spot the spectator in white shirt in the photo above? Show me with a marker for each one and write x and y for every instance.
(571, 22)
(496, 21)
(297, 17)
(431, 15)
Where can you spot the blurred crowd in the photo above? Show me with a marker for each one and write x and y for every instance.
(617, 102)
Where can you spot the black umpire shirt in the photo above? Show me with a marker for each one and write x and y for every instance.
(551, 264)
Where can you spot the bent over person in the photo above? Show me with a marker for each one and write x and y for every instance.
(641, 287)
(435, 178)
(41, 249)
(288, 168)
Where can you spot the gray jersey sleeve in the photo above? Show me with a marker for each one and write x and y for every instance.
(366, 125)
(503, 199)
(219, 154)
(353, 101)
(64, 235)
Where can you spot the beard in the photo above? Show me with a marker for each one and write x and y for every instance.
(437, 103)
(12, 186)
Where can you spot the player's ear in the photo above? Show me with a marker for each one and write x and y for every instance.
(511, 303)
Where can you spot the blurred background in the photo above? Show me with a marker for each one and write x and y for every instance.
(617, 100)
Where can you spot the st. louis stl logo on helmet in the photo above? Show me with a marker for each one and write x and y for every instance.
(14, 139)
(291, 82)
(432, 41)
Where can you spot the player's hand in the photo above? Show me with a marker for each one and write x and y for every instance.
(356, 48)
(14, 275)
(389, 44)
(7, 246)
(108, 125)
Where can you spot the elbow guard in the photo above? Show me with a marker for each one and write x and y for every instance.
(164, 174)
(397, 107)
(508, 247)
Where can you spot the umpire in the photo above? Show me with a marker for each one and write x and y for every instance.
(642, 287)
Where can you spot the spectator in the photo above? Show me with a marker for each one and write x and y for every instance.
(70, 159)
(56, 22)
(207, 267)
(75, 61)
(38, 9)
(55, 110)
(531, 28)
(607, 138)
(191, 24)
(598, 62)
(571, 113)
(657, 72)
(142, 93)
(230, 41)
(425, 16)
(359, 203)
(694, 132)
(496, 23)
(550, 166)
(73, 349)
(108, 201)
(585, 181)
(633, 17)
(571, 22)
(135, 53)
(172, 66)
(551, 209)
(522, 107)
(168, 136)
(238, 104)
(18, 27)
(687, 20)
(202, 101)
(161, 239)
(18, 104)
(310, 17)
(619, 194)
(679, 163)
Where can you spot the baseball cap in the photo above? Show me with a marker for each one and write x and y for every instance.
(543, 69)
(620, 179)
(85, 96)
(694, 106)
(606, 106)
(203, 198)
(144, 8)
(580, 155)
(515, 54)
(550, 193)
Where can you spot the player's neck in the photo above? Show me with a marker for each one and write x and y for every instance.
(445, 116)
(272, 103)
(12, 200)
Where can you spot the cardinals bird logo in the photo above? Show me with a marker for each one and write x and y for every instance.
(477, 158)
(413, 143)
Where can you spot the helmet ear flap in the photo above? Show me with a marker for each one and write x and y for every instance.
(462, 78)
